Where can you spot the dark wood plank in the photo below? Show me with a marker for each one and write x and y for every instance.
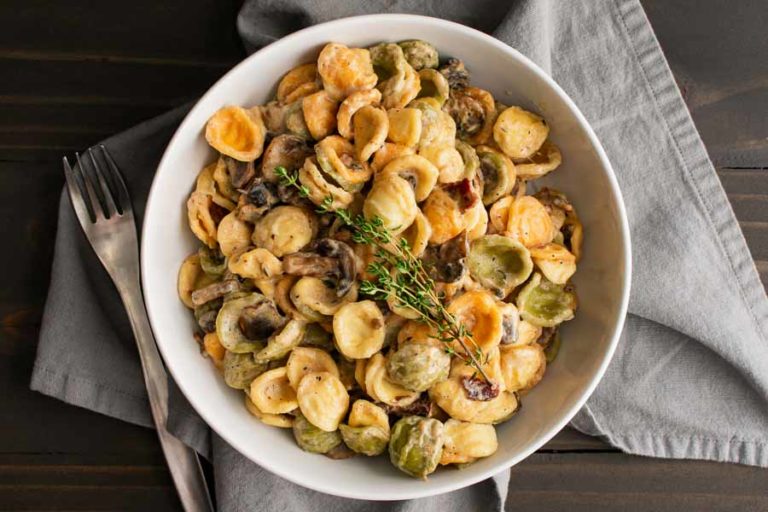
(200, 31)
(588, 482)
(717, 53)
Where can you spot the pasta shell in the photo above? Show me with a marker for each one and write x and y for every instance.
(337, 158)
(359, 329)
(283, 297)
(418, 234)
(273, 420)
(271, 392)
(360, 365)
(491, 365)
(416, 170)
(319, 114)
(305, 360)
(529, 222)
(444, 214)
(200, 218)
(297, 83)
(285, 229)
(371, 127)
(522, 366)
(481, 316)
(367, 414)
(519, 133)
(447, 160)
(379, 387)
(207, 185)
(400, 89)
(470, 159)
(466, 442)
(233, 234)
(437, 127)
(451, 397)
(350, 106)
(191, 277)
(404, 126)
(542, 162)
(319, 188)
(316, 301)
(434, 85)
(555, 262)
(237, 132)
(223, 182)
(527, 333)
(392, 200)
(323, 400)
(498, 174)
(499, 214)
(280, 344)
(418, 332)
(477, 221)
(389, 152)
(345, 70)
(259, 264)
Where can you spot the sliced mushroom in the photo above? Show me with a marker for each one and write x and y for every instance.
(240, 173)
(214, 291)
(287, 151)
(205, 315)
(328, 258)
(256, 200)
(260, 321)
(447, 262)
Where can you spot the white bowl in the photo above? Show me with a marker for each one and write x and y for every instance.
(602, 280)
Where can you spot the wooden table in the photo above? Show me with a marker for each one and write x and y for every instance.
(72, 73)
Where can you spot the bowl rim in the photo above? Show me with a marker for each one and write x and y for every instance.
(504, 463)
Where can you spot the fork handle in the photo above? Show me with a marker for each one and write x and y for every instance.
(183, 462)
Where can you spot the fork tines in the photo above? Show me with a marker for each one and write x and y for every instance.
(95, 185)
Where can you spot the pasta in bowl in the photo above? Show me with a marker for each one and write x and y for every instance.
(383, 266)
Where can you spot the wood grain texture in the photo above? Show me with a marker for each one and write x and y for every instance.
(75, 72)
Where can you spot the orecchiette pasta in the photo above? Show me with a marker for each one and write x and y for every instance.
(404, 126)
(323, 400)
(374, 231)
(519, 133)
(351, 105)
(416, 170)
(392, 200)
(359, 329)
(285, 230)
(200, 218)
(345, 70)
(237, 132)
(371, 127)
(233, 234)
(272, 393)
(466, 442)
(319, 114)
(306, 360)
(297, 83)
(529, 223)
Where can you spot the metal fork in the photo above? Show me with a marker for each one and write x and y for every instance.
(103, 207)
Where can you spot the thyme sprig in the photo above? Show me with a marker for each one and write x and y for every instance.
(409, 284)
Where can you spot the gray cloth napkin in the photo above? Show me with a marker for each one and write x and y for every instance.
(690, 376)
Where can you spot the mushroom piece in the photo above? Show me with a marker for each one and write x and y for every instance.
(240, 173)
(256, 200)
(456, 74)
(329, 258)
(447, 262)
(287, 151)
(214, 291)
(260, 321)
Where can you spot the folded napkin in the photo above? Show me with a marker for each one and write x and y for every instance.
(690, 376)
